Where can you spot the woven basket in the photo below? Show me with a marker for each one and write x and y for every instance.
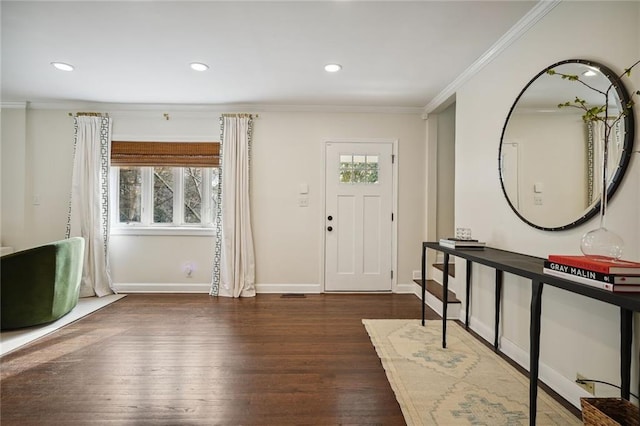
(609, 412)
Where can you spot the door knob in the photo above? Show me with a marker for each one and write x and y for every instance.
(329, 228)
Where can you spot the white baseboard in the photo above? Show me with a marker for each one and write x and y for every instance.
(486, 333)
(565, 387)
(289, 288)
(416, 290)
(161, 287)
(260, 288)
(206, 287)
(453, 311)
(406, 288)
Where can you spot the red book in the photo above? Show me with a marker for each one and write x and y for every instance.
(626, 267)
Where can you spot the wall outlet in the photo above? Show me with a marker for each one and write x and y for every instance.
(588, 386)
(188, 268)
(417, 275)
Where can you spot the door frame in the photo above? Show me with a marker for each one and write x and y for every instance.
(394, 204)
(516, 143)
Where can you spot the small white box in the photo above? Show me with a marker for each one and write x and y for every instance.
(538, 187)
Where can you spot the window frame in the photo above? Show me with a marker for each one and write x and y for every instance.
(146, 226)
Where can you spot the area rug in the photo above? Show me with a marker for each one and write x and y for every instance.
(13, 339)
(464, 384)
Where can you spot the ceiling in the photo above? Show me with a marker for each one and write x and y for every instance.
(545, 91)
(393, 53)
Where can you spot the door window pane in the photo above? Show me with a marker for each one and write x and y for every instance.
(163, 190)
(371, 175)
(357, 168)
(130, 194)
(346, 168)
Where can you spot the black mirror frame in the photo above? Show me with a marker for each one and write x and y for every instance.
(625, 157)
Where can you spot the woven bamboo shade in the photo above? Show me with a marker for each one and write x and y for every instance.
(175, 154)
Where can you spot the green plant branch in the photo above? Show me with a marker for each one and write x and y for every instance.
(595, 113)
(627, 72)
(573, 77)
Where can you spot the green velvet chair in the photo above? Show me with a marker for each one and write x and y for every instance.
(40, 284)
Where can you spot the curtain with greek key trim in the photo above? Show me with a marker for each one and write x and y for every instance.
(595, 156)
(236, 274)
(89, 205)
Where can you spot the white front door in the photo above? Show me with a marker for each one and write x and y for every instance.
(358, 216)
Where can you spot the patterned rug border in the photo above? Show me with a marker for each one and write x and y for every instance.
(405, 396)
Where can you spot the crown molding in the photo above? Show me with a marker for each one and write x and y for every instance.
(219, 108)
(521, 27)
(13, 105)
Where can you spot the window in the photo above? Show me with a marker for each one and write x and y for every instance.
(165, 196)
(356, 168)
(163, 190)
(154, 190)
(129, 194)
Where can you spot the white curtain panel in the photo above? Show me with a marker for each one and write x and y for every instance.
(88, 210)
(237, 263)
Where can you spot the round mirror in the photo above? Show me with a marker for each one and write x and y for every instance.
(550, 159)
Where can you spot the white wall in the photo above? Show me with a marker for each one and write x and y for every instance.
(578, 334)
(12, 151)
(446, 172)
(287, 151)
(156, 263)
(547, 139)
(36, 175)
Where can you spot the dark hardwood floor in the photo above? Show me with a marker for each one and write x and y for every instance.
(195, 359)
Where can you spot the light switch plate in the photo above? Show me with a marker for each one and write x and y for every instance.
(538, 187)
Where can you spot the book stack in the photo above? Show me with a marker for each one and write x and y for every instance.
(459, 243)
(618, 276)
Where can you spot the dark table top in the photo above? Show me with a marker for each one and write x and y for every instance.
(531, 267)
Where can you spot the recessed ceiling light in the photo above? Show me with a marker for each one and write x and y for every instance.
(62, 66)
(199, 66)
(332, 67)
